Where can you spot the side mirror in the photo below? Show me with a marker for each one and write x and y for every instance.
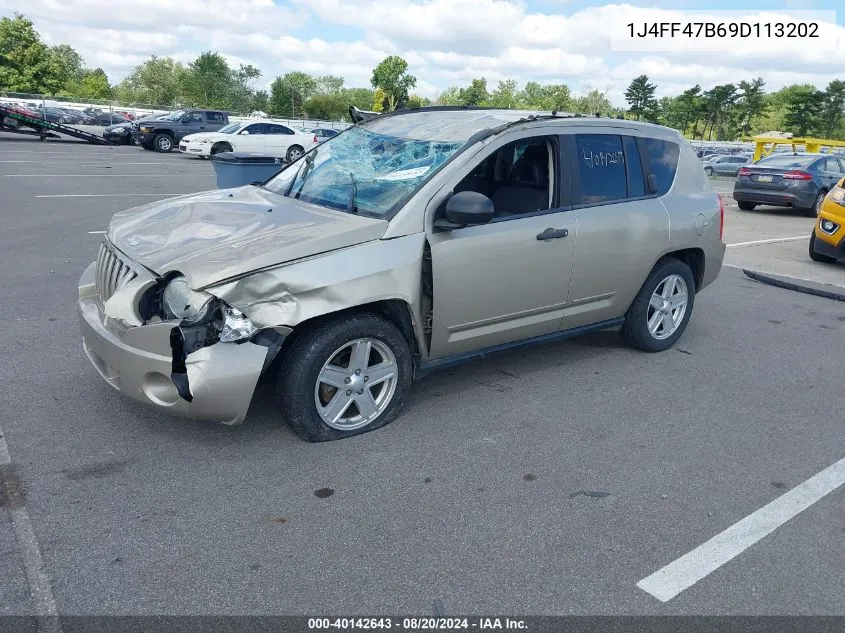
(245, 132)
(466, 208)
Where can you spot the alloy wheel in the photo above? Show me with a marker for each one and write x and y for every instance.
(356, 384)
(667, 307)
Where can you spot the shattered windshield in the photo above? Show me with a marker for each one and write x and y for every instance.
(365, 172)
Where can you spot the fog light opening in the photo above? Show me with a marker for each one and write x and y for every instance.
(160, 389)
(828, 226)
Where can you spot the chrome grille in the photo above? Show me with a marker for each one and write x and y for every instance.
(112, 271)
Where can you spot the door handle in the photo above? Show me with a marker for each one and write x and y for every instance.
(552, 234)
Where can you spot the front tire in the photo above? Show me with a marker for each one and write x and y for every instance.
(220, 147)
(344, 376)
(662, 308)
(818, 257)
(708, 170)
(163, 143)
(746, 206)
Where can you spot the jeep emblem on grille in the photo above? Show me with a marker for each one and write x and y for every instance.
(133, 241)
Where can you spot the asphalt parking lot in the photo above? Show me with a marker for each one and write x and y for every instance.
(549, 480)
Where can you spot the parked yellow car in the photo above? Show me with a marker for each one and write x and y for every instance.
(827, 242)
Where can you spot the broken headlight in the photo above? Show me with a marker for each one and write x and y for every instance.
(180, 302)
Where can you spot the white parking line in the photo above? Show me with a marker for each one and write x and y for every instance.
(95, 232)
(36, 576)
(668, 582)
(106, 195)
(771, 241)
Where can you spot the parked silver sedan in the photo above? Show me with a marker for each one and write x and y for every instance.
(726, 165)
(410, 242)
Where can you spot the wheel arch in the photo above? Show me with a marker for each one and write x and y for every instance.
(692, 257)
(396, 311)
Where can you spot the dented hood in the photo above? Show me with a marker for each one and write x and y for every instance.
(217, 235)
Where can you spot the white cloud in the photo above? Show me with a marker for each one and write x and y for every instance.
(445, 41)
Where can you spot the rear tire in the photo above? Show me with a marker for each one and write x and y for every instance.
(662, 308)
(163, 143)
(308, 402)
(818, 257)
(813, 211)
(746, 206)
(294, 153)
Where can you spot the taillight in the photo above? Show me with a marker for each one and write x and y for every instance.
(797, 174)
(744, 171)
(721, 217)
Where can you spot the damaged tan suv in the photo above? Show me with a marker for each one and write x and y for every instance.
(406, 243)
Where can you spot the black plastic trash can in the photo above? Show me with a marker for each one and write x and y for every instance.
(236, 169)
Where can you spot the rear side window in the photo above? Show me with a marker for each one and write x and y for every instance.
(273, 128)
(214, 117)
(663, 156)
(601, 168)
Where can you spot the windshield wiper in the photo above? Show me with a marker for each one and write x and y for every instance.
(293, 180)
(309, 164)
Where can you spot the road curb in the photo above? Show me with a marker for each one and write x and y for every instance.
(798, 285)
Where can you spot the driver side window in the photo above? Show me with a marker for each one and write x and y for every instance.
(519, 178)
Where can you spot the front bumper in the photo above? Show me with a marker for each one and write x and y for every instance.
(825, 243)
(195, 149)
(138, 362)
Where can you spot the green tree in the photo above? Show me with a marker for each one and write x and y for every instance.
(594, 102)
(803, 107)
(329, 85)
(391, 75)
(93, 84)
(241, 94)
(640, 98)
(505, 95)
(475, 94)
(751, 102)
(70, 64)
(26, 64)
(289, 93)
(717, 107)
(328, 107)
(449, 96)
(260, 101)
(156, 82)
(416, 101)
(689, 107)
(208, 81)
(361, 98)
(833, 110)
(548, 98)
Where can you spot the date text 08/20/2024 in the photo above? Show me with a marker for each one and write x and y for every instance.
(416, 624)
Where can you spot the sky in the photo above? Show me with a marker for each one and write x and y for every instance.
(449, 42)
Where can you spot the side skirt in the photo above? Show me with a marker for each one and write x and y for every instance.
(457, 359)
